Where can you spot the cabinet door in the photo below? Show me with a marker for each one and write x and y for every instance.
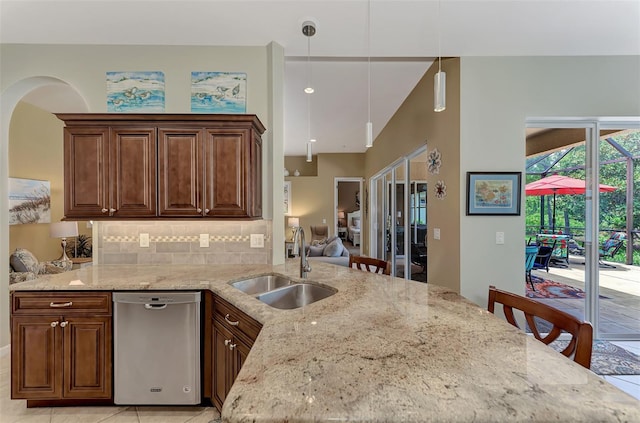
(255, 190)
(240, 356)
(180, 173)
(226, 172)
(87, 357)
(36, 354)
(86, 168)
(133, 172)
(222, 363)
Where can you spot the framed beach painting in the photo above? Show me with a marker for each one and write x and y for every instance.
(493, 193)
(29, 201)
(218, 92)
(135, 92)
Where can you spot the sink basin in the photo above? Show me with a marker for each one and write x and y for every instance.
(294, 296)
(261, 284)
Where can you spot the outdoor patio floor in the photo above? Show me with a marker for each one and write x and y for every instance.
(619, 312)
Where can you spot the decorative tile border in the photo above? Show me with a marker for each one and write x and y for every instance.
(181, 238)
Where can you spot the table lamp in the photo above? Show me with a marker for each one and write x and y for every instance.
(340, 217)
(293, 223)
(63, 230)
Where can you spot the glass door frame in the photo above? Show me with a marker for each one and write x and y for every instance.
(592, 127)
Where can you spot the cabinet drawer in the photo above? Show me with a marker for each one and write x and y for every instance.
(245, 324)
(25, 303)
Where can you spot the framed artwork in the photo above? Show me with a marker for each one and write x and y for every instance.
(132, 92)
(29, 201)
(218, 92)
(493, 193)
(287, 198)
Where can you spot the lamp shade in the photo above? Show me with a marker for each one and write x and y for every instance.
(340, 215)
(63, 229)
(293, 222)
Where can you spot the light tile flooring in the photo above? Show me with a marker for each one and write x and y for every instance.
(16, 411)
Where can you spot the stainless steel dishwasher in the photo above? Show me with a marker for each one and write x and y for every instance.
(156, 347)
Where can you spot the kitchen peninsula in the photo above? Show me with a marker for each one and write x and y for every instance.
(381, 349)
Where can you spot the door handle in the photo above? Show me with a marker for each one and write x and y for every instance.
(226, 317)
(155, 306)
(61, 305)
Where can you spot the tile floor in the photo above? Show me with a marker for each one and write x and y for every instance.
(15, 411)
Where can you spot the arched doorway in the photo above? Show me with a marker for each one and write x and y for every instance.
(51, 94)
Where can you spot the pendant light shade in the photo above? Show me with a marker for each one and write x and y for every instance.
(440, 78)
(309, 157)
(369, 135)
(439, 91)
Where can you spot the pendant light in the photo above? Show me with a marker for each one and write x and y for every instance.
(369, 126)
(309, 30)
(440, 78)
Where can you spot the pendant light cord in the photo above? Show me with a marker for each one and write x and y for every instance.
(439, 39)
(369, 61)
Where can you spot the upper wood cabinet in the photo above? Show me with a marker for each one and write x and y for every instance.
(157, 165)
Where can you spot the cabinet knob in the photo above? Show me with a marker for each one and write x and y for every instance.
(199, 210)
(104, 210)
(232, 346)
(226, 318)
(112, 210)
(63, 324)
(227, 342)
(206, 211)
(54, 324)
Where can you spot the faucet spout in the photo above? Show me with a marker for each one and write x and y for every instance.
(305, 267)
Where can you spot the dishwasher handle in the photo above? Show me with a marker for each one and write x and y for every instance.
(155, 306)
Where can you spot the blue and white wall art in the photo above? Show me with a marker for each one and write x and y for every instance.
(131, 92)
(218, 92)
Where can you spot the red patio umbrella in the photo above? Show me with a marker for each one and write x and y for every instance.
(557, 184)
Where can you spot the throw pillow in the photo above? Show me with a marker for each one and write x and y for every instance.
(24, 261)
(356, 222)
(315, 251)
(334, 248)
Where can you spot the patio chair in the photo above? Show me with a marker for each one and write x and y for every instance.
(531, 251)
(610, 247)
(543, 257)
(581, 332)
(419, 255)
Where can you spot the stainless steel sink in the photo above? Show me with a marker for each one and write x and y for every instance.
(295, 296)
(261, 284)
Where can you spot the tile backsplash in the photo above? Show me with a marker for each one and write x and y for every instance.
(178, 242)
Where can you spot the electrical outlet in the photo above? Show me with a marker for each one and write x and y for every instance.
(144, 240)
(436, 233)
(499, 238)
(204, 240)
(324, 221)
(257, 240)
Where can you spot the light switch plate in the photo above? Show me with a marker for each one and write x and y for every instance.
(257, 240)
(324, 221)
(499, 238)
(204, 240)
(144, 240)
(436, 233)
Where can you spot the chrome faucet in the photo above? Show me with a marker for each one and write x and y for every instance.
(305, 267)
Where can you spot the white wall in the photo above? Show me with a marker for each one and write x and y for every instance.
(497, 95)
(84, 67)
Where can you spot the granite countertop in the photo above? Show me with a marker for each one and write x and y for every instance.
(381, 349)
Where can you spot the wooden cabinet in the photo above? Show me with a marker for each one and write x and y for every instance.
(233, 335)
(156, 165)
(110, 171)
(61, 346)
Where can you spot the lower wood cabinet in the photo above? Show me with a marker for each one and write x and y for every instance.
(233, 334)
(61, 346)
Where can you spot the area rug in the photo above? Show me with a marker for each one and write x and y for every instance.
(608, 359)
(551, 289)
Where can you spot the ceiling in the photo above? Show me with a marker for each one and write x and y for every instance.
(403, 43)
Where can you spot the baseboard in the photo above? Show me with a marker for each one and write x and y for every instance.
(5, 350)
